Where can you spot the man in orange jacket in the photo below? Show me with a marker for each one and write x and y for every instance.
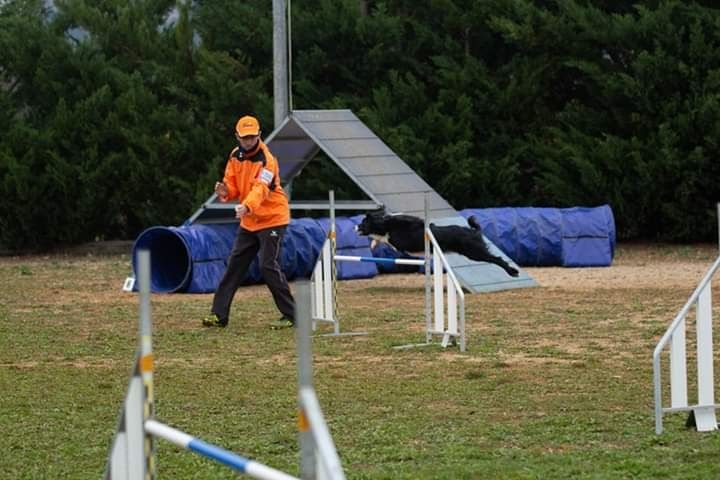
(252, 177)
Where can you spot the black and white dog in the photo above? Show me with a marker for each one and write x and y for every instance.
(405, 233)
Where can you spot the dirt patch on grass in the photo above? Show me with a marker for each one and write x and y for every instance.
(101, 363)
(648, 275)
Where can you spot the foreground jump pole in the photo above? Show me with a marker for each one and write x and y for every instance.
(318, 456)
(132, 454)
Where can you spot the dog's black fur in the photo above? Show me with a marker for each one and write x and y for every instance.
(405, 233)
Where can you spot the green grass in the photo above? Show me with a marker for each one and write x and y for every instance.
(556, 383)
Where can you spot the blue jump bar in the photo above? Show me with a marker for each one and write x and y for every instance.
(219, 454)
(243, 465)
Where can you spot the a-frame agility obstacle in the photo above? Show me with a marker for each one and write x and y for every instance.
(384, 178)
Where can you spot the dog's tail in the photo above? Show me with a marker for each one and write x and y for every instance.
(472, 221)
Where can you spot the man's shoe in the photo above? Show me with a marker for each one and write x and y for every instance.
(213, 321)
(283, 322)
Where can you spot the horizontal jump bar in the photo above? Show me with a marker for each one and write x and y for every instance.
(243, 465)
(393, 261)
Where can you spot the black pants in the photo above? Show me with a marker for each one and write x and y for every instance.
(246, 246)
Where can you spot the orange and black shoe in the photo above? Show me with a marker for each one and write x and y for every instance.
(212, 320)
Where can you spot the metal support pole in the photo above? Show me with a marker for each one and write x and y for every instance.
(305, 378)
(333, 267)
(428, 280)
(289, 56)
(280, 62)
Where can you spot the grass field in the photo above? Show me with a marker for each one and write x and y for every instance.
(556, 383)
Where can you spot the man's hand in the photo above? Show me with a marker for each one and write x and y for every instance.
(240, 210)
(221, 190)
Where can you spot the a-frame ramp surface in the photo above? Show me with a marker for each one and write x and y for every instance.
(383, 176)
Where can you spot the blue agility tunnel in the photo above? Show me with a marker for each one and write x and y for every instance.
(192, 258)
(568, 237)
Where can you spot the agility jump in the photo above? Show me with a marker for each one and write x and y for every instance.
(674, 340)
(132, 454)
(324, 282)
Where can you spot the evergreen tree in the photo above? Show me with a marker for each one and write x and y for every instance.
(118, 115)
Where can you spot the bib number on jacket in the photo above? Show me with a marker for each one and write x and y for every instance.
(265, 176)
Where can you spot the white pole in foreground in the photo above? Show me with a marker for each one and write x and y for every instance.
(305, 376)
(318, 457)
(428, 284)
(145, 362)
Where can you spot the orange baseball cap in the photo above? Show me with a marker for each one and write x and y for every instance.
(247, 125)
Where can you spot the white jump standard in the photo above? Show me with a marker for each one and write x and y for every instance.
(324, 284)
(674, 339)
(132, 454)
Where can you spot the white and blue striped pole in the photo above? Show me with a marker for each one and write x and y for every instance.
(241, 464)
(391, 261)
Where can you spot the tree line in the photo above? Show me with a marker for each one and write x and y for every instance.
(117, 115)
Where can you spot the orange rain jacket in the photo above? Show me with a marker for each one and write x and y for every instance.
(254, 179)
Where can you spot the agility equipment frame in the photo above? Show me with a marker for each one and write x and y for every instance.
(132, 453)
(441, 280)
(702, 412)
